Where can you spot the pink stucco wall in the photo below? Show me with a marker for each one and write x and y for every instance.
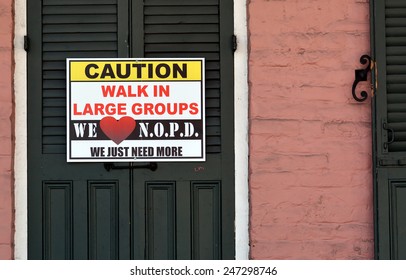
(6, 130)
(310, 142)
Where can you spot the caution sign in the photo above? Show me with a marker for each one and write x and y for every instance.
(135, 110)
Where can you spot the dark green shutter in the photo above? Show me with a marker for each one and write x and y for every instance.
(189, 29)
(81, 210)
(90, 29)
(58, 220)
(389, 104)
(395, 72)
(72, 29)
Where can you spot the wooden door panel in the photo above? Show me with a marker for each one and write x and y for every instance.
(84, 211)
(391, 194)
(206, 221)
(57, 197)
(160, 220)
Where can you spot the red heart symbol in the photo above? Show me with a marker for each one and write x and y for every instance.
(117, 130)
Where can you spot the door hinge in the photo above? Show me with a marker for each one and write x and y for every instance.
(234, 43)
(26, 43)
(388, 136)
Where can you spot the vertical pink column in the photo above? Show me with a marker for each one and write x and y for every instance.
(310, 142)
(6, 129)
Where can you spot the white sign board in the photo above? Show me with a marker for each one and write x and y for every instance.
(133, 110)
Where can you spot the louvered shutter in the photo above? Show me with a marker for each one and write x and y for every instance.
(182, 210)
(396, 73)
(73, 210)
(389, 103)
(390, 55)
(189, 29)
(77, 29)
(199, 28)
(89, 29)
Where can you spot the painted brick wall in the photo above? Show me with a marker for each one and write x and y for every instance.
(6, 130)
(310, 142)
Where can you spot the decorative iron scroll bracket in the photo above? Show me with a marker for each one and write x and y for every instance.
(360, 76)
(151, 166)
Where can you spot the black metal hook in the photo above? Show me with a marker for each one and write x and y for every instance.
(361, 75)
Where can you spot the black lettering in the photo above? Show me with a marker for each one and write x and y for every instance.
(150, 71)
(96, 151)
(107, 71)
(160, 151)
(177, 70)
(169, 151)
(139, 67)
(87, 71)
(159, 73)
(127, 71)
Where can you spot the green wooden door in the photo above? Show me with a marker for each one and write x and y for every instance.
(85, 211)
(389, 104)
(391, 213)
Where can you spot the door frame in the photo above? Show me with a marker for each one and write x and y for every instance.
(240, 134)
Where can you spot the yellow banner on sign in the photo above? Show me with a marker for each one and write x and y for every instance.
(128, 70)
